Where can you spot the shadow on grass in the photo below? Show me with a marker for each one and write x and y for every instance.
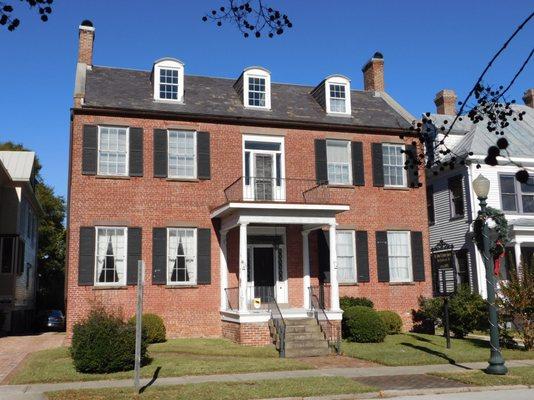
(420, 338)
(434, 353)
(151, 382)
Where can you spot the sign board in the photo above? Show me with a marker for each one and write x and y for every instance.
(257, 302)
(444, 269)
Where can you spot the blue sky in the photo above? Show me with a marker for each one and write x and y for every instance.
(427, 46)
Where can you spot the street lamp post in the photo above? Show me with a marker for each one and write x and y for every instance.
(496, 362)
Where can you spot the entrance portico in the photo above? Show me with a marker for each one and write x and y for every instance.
(263, 240)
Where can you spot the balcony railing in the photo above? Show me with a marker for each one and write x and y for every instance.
(288, 190)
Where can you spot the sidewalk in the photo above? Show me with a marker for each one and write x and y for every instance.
(9, 391)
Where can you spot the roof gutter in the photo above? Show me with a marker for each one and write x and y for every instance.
(196, 117)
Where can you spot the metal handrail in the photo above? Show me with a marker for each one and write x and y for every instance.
(334, 337)
(279, 324)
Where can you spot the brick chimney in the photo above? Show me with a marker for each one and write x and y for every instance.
(86, 38)
(373, 73)
(528, 97)
(445, 102)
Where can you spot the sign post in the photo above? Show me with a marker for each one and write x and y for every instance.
(138, 320)
(445, 285)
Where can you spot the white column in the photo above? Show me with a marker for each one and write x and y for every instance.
(334, 287)
(242, 267)
(224, 271)
(517, 250)
(306, 269)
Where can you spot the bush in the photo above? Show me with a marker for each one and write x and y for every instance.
(467, 312)
(363, 325)
(153, 327)
(392, 320)
(346, 302)
(103, 343)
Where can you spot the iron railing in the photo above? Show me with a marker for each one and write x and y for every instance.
(331, 331)
(277, 189)
(279, 324)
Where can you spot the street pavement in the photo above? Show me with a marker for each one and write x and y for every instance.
(511, 394)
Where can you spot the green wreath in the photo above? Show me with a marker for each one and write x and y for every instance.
(496, 247)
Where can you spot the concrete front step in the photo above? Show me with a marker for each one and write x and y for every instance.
(294, 336)
(311, 344)
(307, 352)
(303, 328)
(300, 321)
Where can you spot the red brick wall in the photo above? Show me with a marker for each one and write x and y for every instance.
(249, 334)
(149, 202)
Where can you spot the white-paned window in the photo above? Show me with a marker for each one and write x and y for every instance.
(346, 260)
(338, 98)
(182, 154)
(338, 162)
(393, 162)
(400, 258)
(112, 150)
(181, 256)
(256, 91)
(168, 84)
(110, 256)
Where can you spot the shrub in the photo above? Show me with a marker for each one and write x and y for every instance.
(467, 312)
(516, 299)
(392, 320)
(363, 325)
(153, 327)
(346, 302)
(103, 343)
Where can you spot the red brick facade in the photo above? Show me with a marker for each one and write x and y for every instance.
(149, 202)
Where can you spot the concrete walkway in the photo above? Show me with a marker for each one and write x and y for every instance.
(10, 391)
(13, 349)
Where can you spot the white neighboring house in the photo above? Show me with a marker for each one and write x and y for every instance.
(19, 213)
(452, 203)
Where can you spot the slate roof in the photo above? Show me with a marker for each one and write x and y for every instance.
(520, 135)
(19, 164)
(131, 90)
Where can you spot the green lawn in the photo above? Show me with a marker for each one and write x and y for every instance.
(176, 357)
(419, 349)
(515, 376)
(226, 391)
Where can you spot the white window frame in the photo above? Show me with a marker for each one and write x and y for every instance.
(349, 154)
(341, 81)
(127, 167)
(354, 262)
(172, 64)
(195, 255)
(404, 175)
(195, 156)
(257, 72)
(410, 261)
(121, 282)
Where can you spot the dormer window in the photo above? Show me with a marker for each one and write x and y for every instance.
(168, 80)
(255, 82)
(336, 95)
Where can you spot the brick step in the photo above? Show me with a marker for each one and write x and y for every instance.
(307, 352)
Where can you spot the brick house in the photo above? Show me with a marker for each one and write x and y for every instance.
(19, 215)
(246, 199)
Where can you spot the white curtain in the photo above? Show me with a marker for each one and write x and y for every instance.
(399, 256)
(345, 256)
(185, 237)
(337, 155)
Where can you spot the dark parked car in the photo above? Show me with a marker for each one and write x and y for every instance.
(53, 320)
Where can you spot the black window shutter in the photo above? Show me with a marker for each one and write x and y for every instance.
(321, 172)
(134, 254)
(378, 164)
(203, 155)
(418, 258)
(324, 257)
(160, 153)
(382, 257)
(159, 256)
(362, 256)
(247, 167)
(86, 262)
(204, 256)
(413, 167)
(358, 178)
(90, 149)
(136, 151)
